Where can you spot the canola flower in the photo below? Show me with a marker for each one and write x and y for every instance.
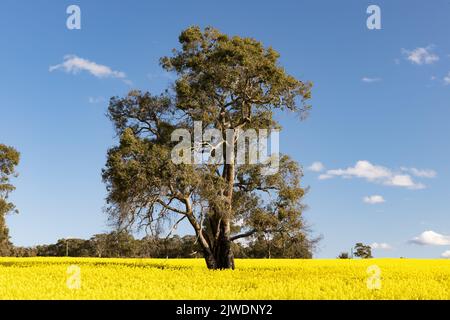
(92, 278)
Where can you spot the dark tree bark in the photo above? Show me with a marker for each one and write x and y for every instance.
(223, 254)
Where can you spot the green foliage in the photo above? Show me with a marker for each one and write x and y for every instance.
(344, 255)
(363, 251)
(281, 246)
(124, 245)
(231, 81)
(9, 159)
(227, 83)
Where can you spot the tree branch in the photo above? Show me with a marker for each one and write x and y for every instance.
(166, 206)
(243, 235)
(175, 225)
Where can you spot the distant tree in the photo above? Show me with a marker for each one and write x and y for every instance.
(150, 247)
(78, 247)
(171, 247)
(344, 255)
(9, 159)
(363, 251)
(239, 250)
(99, 244)
(296, 246)
(24, 252)
(280, 246)
(258, 248)
(121, 244)
(48, 251)
(71, 247)
(190, 247)
(227, 83)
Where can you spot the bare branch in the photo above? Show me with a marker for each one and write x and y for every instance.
(174, 227)
(243, 235)
(166, 206)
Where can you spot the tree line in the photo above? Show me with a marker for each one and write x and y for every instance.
(124, 245)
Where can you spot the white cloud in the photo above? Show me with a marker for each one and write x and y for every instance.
(74, 64)
(422, 173)
(446, 254)
(316, 167)
(370, 80)
(431, 238)
(375, 199)
(421, 56)
(403, 180)
(447, 79)
(373, 173)
(381, 246)
(362, 169)
(95, 100)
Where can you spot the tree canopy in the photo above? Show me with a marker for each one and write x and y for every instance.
(363, 251)
(227, 83)
(9, 159)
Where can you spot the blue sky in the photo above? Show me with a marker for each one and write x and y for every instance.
(381, 104)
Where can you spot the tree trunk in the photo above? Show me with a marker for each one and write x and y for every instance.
(223, 254)
(221, 257)
(225, 257)
(210, 261)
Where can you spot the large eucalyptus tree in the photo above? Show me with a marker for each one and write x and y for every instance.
(227, 83)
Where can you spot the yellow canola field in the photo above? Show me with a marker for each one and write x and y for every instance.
(92, 278)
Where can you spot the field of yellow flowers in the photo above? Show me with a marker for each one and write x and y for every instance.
(91, 278)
